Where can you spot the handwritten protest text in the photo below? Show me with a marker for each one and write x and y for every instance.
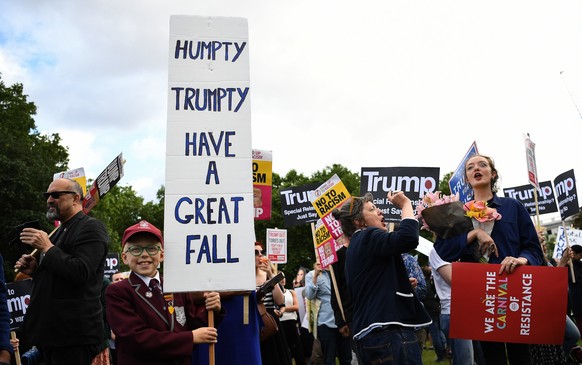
(208, 50)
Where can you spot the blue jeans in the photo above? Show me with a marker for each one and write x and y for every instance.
(390, 346)
(436, 334)
(462, 349)
(571, 336)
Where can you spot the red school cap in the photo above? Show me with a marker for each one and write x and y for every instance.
(142, 226)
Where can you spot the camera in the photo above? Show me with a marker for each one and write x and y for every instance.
(31, 357)
(268, 286)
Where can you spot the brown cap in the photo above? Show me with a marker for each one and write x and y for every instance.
(143, 226)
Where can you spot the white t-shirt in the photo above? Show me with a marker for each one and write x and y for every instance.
(301, 302)
(288, 316)
(443, 289)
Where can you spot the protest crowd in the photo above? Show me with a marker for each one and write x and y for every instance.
(375, 304)
(481, 289)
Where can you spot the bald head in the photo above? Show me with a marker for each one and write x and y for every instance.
(64, 199)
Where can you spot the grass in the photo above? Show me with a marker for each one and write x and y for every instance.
(429, 357)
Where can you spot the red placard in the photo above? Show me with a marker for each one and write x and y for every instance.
(527, 306)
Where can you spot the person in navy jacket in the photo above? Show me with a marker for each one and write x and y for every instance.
(512, 242)
(386, 309)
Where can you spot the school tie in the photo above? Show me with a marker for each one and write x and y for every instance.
(155, 286)
(157, 295)
(159, 301)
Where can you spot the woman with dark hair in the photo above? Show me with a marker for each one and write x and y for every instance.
(299, 280)
(305, 335)
(274, 350)
(290, 323)
(386, 309)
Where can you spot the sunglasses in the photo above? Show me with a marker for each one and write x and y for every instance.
(56, 194)
(259, 253)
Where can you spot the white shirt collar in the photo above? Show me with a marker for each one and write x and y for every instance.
(146, 279)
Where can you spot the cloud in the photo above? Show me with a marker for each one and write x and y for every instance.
(376, 84)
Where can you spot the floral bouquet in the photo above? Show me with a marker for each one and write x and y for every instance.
(443, 215)
(482, 217)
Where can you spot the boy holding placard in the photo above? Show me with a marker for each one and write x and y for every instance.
(152, 327)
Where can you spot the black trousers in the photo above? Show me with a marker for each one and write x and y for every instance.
(495, 353)
(73, 355)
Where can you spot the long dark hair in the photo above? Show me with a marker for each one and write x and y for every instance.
(302, 282)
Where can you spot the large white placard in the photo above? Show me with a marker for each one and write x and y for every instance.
(574, 238)
(208, 213)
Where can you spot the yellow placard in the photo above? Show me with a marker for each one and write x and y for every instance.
(262, 172)
(331, 199)
(321, 235)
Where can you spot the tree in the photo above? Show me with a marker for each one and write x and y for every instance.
(577, 221)
(444, 184)
(118, 209)
(121, 207)
(28, 161)
(153, 212)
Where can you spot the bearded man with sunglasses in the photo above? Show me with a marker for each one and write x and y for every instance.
(64, 318)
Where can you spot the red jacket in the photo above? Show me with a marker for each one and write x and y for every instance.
(146, 333)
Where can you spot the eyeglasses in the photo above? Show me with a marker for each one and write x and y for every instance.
(56, 194)
(259, 253)
(137, 250)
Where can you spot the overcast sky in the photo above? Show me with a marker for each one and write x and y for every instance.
(368, 84)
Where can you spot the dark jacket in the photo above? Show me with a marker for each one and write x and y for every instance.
(575, 289)
(378, 280)
(145, 332)
(514, 235)
(431, 301)
(340, 279)
(4, 313)
(65, 307)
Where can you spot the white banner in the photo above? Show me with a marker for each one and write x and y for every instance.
(424, 246)
(208, 220)
(574, 238)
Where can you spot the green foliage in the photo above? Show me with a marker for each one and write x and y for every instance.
(121, 207)
(28, 161)
(444, 184)
(577, 221)
(118, 209)
(153, 212)
(550, 245)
